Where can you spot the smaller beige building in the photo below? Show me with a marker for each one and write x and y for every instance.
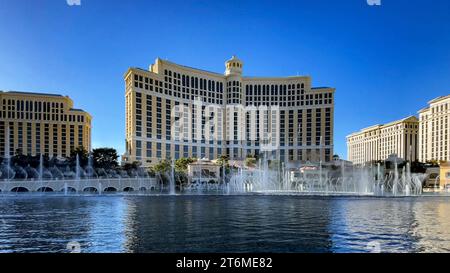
(42, 123)
(378, 142)
(444, 175)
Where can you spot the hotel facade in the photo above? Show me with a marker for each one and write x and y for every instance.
(38, 123)
(378, 142)
(434, 133)
(297, 117)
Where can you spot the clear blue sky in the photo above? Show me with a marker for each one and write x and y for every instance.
(385, 61)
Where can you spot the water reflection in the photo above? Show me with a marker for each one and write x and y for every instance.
(432, 227)
(223, 224)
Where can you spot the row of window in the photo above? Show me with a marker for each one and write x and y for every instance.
(36, 106)
(154, 120)
(36, 110)
(37, 136)
(145, 150)
(211, 91)
(361, 152)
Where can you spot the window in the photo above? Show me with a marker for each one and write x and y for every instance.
(138, 148)
(149, 149)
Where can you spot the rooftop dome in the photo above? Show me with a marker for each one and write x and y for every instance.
(233, 66)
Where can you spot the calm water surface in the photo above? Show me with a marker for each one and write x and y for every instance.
(223, 224)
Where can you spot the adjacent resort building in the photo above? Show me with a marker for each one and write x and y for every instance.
(297, 117)
(378, 142)
(38, 123)
(425, 139)
(434, 136)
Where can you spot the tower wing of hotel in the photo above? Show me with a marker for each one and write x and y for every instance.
(378, 142)
(434, 136)
(423, 139)
(39, 123)
(285, 116)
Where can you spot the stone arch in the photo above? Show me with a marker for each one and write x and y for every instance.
(143, 188)
(69, 189)
(90, 189)
(110, 189)
(128, 189)
(45, 189)
(20, 189)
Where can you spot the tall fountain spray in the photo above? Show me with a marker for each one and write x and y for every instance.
(41, 171)
(90, 166)
(406, 177)
(77, 168)
(77, 171)
(320, 162)
(396, 180)
(7, 155)
(380, 183)
(172, 179)
(41, 167)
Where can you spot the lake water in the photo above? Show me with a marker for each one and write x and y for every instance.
(208, 223)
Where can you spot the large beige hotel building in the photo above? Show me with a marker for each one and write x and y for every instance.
(378, 142)
(304, 115)
(423, 139)
(434, 136)
(37, 123)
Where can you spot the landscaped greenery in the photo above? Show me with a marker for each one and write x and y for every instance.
(105, 158)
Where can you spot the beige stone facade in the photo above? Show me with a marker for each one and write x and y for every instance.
(304, 115)
(378, 142)
(434, 132)
(40, 123)
(444, 175)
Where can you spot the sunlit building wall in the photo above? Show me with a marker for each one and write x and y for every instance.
(39, 123)
(434, 132)
(378, 142)
(305, 116)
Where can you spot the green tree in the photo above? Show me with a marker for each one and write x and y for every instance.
(223, 160)
(255, 156)
(181, 164)
(433, 163)
(105, 158)
(418, 167)
(181, 178)
(250, 162)
(161, 170)
(130, 166)
(83, 155)
(19, 159)
(224, 163)
(162, 167)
